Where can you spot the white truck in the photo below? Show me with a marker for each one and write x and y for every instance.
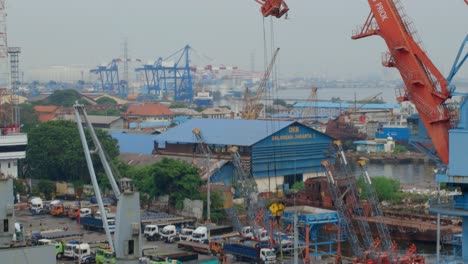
(170, 234)
(151, 232)
(186, 233)
(200, 235)
(81, 250)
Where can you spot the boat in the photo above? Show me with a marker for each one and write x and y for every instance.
(203, 99)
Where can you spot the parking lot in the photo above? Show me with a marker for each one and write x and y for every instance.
(44, 222)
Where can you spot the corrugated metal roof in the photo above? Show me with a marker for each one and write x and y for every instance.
(238, 132)
(134, 143)
(94, 119)
(344, 105)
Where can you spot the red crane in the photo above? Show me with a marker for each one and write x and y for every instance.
(276, 8)
(424, 84)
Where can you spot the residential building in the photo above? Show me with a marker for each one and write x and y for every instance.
(102, 122)
(216, 113)
(47, 112)
(149, 115)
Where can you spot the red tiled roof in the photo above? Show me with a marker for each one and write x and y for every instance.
(148, 110)
(44, 117)
(45, 108)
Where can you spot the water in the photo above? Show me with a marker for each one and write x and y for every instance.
(411, 174)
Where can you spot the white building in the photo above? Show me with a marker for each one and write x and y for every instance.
(12, 148)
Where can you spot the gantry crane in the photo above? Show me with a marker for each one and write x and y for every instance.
(126, 244)
(251, 105)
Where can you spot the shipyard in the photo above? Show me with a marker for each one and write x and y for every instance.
(263, 131)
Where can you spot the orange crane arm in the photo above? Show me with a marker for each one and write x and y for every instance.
(424, 84)
(276, 8)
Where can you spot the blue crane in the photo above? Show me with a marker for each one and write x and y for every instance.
(109, 77)
(165, 78)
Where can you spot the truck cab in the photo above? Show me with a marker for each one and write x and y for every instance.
(85, 212)
(69, 249)
(58, 210)
(73, 213)
(151, 232)
(186, 233)
(200, 235)
(168, 233)
(81, 250)
(35, 203)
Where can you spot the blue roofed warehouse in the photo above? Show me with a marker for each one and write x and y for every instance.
(277, 153)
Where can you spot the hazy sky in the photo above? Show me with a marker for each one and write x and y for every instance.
(316, 40)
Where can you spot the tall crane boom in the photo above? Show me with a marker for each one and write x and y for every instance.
(251, 108)
(424, 84)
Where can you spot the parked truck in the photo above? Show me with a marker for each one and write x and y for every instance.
(92, 223)
(186, 233)
(170, 234)
(250, 251)
(151, 232)
(58, 210)
(200, 234)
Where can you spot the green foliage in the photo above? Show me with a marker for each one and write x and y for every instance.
(175, 178)
(47, 188)
(28, 117)
(387, 189)
(399, 149)
(177, 105)
(65, 98)
(108, 112)
(217, 211)
(199, 108)
(298, 186)
(55, 152)
(19, 186)
(106, 101)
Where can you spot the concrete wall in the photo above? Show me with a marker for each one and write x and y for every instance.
(193, 208)
(269, 184)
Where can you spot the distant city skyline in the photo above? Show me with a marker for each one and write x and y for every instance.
(315, 41)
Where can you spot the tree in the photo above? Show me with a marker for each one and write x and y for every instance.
(55, 152)
(65, 98)
(177, 105)
(47, 188)
(175, 178)
(28, 117)
(386, 188)
(106, 101)
(217, 211)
